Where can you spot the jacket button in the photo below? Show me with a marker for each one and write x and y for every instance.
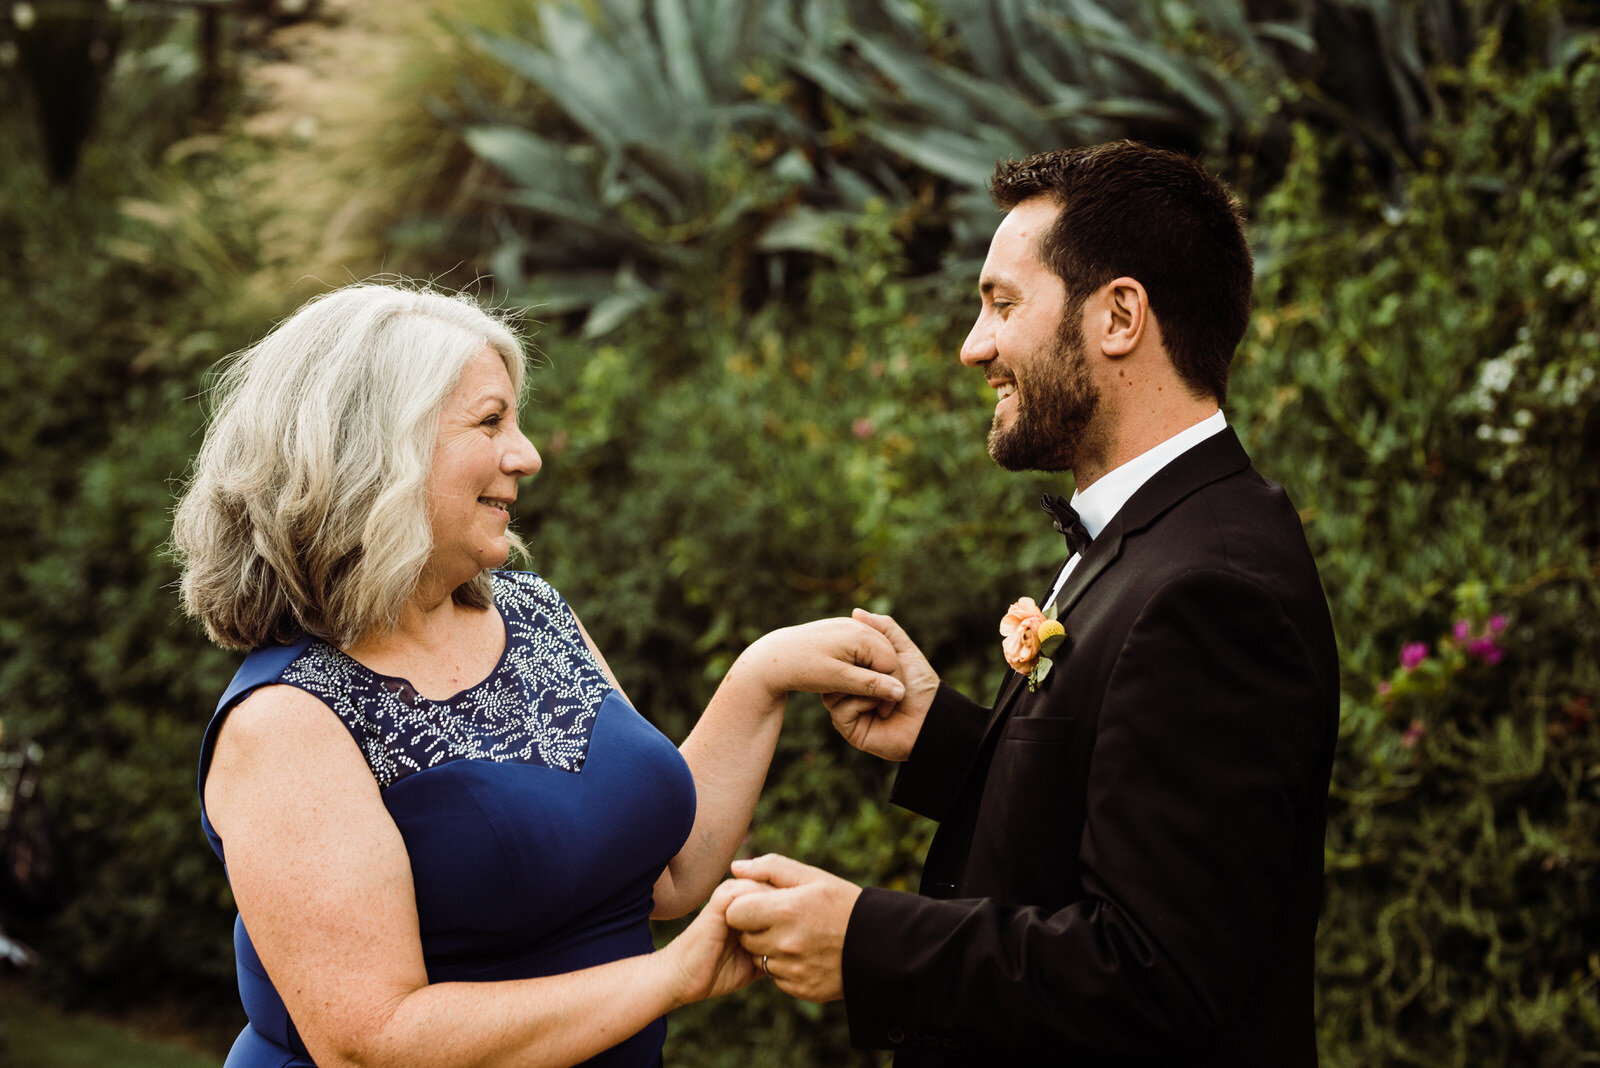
(896, 1035)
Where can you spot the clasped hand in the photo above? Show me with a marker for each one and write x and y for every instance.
(777, 917)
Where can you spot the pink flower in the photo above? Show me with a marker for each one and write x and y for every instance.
(1384, 688)
(863, 428)
(1412, 654)
(1463, 630)
(1497, 623)
(1020, 628)
(1413, 734)
(1487, 650)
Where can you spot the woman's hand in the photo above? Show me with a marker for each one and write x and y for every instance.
(844, 656)
(706, 957)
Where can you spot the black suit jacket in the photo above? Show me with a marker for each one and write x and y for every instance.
(1129, 864)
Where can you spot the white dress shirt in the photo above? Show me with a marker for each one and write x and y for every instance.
(1099, 504)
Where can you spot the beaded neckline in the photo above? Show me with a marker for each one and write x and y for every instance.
(537, 707)
(407, 690)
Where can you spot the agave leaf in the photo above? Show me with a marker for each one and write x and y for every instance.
(917, 78)
(1033, 31)
(629, 296)
(1295, 36)
(1172, 75)
(998, 103)
(1228, 21)
(977, 25)
(1100, 23)
(531, 160)
(505, 263)
(965, 160)
(837, 81)
(588, 215)
(548, 73)
(854, 189)
(807, 230)
(616, 97)
(1130, 109)
(679, 52)
(564, 291)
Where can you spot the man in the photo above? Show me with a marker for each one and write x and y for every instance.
(1129, 864)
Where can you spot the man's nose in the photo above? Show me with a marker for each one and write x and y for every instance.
(979, 347)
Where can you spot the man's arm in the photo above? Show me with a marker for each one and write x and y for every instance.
(1208, 751)
(935, 729)
(951, 732)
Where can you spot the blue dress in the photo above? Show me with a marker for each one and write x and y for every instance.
(537, 807)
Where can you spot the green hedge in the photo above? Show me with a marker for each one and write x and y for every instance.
(1424, 378)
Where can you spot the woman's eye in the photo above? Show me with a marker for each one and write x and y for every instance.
(493, 420)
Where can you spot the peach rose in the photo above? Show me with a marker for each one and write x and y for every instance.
(1020, 628)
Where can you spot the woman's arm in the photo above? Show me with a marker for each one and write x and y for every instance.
(323, 882)
(731, 746)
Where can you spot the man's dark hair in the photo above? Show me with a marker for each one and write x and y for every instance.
(1156, 216)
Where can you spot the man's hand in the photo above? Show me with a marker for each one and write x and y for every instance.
(881, 728)
(798, 926)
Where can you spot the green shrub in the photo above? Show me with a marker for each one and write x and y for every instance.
(1425, 380)
(115, 293)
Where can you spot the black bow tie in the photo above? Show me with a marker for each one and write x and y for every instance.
(1066, 521)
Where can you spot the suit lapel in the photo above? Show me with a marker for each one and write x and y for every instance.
(1215, 458)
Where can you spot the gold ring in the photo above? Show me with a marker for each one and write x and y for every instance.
(764, 966)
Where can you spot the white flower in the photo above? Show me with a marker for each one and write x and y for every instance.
(1496, 374)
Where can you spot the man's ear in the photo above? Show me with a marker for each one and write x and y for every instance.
(1127, 308)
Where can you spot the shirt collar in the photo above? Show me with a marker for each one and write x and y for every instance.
(1100, 503)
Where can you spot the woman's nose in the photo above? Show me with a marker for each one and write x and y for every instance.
(522, 459)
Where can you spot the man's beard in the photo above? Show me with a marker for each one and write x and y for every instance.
(1056, 402)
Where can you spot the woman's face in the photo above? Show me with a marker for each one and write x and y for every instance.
(478, 458)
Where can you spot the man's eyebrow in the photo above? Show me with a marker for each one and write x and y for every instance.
(990, 282)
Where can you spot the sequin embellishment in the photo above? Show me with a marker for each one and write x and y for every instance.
(536, 707)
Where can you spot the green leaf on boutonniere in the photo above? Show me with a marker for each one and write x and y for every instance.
(1037, 676)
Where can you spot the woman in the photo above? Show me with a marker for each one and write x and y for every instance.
(445, 827)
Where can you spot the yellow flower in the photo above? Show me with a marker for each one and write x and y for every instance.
(1051, 635)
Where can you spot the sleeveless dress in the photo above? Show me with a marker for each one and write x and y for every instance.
(537, 807)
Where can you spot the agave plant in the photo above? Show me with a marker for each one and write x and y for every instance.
(686, 144)
(658, 162)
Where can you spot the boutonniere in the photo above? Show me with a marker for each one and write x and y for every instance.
(1031, 639)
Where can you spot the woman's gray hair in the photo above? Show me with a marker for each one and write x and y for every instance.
(308, 510)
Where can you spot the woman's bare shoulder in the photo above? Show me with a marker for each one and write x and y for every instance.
(281, 739)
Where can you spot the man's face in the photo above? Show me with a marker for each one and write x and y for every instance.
(1030, 347)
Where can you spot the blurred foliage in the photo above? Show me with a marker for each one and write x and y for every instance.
(115, 293)
(746, 225)
(671, 149)
(1429, 373)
